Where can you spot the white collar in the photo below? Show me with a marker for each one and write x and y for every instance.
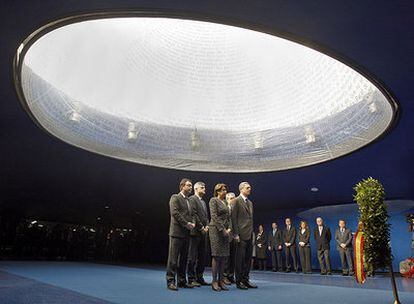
(244, 198)
(182, 194)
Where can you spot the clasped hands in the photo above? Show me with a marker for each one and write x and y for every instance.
(190, 225)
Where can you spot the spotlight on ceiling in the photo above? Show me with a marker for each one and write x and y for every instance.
(195, 140)
(310, 135)
(314, 189)
(258, 141)
(132, 132)
(372, 107)
(74, 114)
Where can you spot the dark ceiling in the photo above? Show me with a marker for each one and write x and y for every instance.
(48, 178)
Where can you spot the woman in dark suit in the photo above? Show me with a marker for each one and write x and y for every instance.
(304, 248)
(261, 241)
(219, 231)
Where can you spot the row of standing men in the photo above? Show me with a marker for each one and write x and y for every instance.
(191, 232)
(290, 238)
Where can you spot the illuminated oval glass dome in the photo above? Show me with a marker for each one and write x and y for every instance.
(195, 95)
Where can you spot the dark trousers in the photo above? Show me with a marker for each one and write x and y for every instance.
(196, 257)
(346, 259)
(231, 261)
(291, 252)
(177, 260)
(244, 250)
(323, 258)
(277, 259)
(305, 258)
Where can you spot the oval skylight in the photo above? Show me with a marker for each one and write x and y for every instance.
(196, 95)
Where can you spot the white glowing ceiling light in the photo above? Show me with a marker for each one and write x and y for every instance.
(206, 96)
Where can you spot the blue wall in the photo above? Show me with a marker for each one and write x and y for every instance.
(397, 209)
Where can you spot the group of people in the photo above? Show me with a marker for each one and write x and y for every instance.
(290, 238)
(229, 233)
(230, 236)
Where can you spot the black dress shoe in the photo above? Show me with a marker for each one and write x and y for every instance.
(185, 285)
(250, 284)
(240, 285)
(203, 283)
(323, 273)
(223, 286)
(195, 284)
(231, 280)
(172, 286)
(274, 270)
(329, 273)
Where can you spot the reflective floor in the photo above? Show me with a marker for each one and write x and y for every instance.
(84, 283)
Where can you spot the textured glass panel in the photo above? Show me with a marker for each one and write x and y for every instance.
(197, 95)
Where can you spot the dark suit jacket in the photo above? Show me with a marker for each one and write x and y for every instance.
(242, 219)
(180, 215)
(345, 238)
(200, 214)
(220, 214)
(289, 236)
(304, 237)
(276, 240)
(322, 241)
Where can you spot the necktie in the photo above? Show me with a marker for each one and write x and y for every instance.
(188, 205)
(247, 204)
(342, 231)
(204, 206)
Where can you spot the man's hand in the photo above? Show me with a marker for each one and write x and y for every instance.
(190, 225)
(343, 245)
(287, 244)
(280, 247)
(270, 248)
(237, 238)
(259, 245)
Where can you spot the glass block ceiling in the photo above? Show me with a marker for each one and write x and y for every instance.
(196, 95)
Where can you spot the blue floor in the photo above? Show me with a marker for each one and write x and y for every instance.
(67, 282)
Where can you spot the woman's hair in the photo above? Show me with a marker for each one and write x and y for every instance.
(306, 224)
(258, 227)
(218, 188)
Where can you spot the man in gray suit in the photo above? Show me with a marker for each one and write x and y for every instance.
(275, 242)
(289, 239)
(182, 221)
(322, 236)
(198, 237)
(242, 221)
(230, 263)
(343, 238)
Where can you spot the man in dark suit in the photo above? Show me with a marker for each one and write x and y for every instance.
(289, 239)
(182, 221)
(322, 236)
(231, 260)
(198, 237)
(242, 221)
(343, 238)
(275, 242)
